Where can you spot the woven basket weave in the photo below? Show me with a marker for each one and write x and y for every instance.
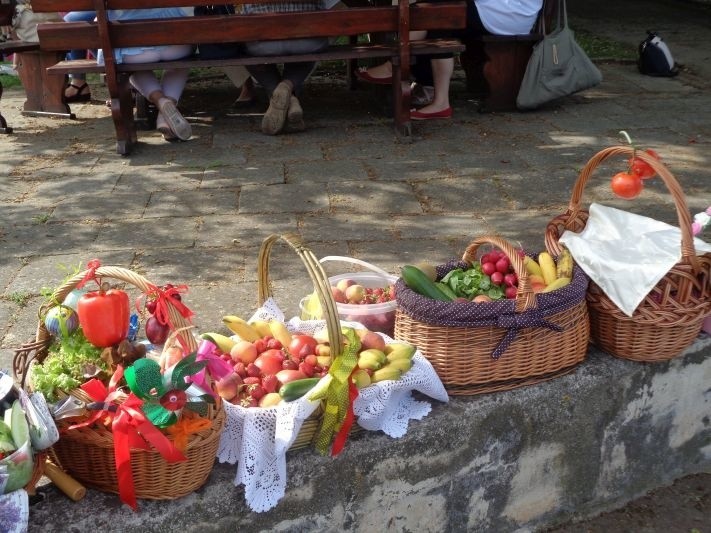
(461, 352)
(671, 315)
(322, 286)
(87, 453)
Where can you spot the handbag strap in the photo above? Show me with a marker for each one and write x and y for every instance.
(562, 16)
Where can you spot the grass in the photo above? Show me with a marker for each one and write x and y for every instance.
(600, 48)
(20, 298)
(40, 219)
(7, 80)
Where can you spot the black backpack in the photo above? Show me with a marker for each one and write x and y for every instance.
(655, 58)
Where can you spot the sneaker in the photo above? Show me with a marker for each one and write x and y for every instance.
(295, 115)
(163, 127)
(275, 116)
(177, 123)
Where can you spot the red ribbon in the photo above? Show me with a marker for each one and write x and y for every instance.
(131, 429)
(164, 296)
(90, 274)
(340, 440)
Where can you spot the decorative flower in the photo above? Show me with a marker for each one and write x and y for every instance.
(165, 395)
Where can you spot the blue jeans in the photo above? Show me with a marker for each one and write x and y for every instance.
(78, 16)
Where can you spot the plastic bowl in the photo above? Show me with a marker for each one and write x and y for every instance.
(375, 317)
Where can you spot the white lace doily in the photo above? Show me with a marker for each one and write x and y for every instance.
(14, 511)
(258, 439)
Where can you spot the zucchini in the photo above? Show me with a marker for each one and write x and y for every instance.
(296, 389)
(446, 289)
(418, 281)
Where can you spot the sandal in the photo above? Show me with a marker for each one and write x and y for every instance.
(82, 94)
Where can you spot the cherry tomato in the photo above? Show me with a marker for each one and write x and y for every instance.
(642, 168)
(626, 185)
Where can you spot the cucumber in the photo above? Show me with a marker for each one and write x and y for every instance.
(297, 388)
(446, 289)
(18, 426)
(418, 281)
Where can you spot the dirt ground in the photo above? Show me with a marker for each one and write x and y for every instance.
(684, 507)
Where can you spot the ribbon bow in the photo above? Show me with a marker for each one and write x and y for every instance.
(166, 394)
(186, 427)
(162, 298)
(90, 273)
(130, 428)
(215, 366)
(516, 321)
(338, 414)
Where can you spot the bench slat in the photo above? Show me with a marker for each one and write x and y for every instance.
(10, 47)
(336, 52)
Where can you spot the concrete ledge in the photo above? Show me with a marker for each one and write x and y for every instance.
(518, 460)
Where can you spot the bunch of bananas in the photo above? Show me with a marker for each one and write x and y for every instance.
(548, 274)
(380, 365)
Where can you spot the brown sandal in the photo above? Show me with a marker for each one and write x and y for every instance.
(82, 94)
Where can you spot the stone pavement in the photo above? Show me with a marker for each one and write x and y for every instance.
(196, 212)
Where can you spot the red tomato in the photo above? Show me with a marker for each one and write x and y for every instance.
(642, 168)
(302, 345)
(626, 185)
(270, 362)
(104, 317)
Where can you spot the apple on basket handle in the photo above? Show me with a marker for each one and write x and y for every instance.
(104, 316)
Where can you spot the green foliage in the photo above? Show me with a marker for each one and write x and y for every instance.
(472, 282)
(64, 368)
(20, 297)
(599, 48)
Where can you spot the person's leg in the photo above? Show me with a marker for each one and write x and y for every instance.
(383, 73)
(77, 90)
(241, 78)
(442, 70)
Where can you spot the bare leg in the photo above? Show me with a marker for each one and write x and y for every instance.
(442, 70)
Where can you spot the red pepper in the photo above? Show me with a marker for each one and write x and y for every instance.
(103, 316)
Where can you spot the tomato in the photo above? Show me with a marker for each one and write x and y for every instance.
(302, 345)
(270, 362)
(103, 316)
(642, 168)
(626, 185)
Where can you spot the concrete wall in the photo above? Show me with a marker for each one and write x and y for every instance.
(519, 460)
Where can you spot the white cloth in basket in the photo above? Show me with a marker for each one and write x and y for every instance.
(258, 439)
(626, 254)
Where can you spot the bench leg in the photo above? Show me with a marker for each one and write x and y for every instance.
(472, 61)
(504, 72)
(122, 114)
(3, 123)
(401, 102)
(45, 93)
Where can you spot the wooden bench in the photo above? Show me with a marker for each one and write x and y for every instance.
(45, 94)
(495, 64)
(242, 28)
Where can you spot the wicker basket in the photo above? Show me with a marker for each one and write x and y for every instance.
(322, 287)
(87, 453)
(671, 315)
(460, 347)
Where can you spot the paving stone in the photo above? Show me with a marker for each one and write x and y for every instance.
(376, 198)
(191, 203)
(146, 234)
(286, 198)
(242, 230)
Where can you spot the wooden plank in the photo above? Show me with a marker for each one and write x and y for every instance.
(10, 47)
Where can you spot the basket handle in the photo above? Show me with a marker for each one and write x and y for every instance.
(318, 278)
(525, 297)
(360, 262)
(688, 252)
(43, 336)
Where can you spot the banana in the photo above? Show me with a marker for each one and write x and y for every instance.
(385, 373)
(369, 362)
(532, 267)
(361, 378)
(403, 365)
(399, 350)
(557, 284)
(280, 333)
(239, 327)
(372, 352)
(564, 265)
(545, 261)
(262, 327)
(223, 342)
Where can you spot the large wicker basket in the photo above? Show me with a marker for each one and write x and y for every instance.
(671, 315)
(459, 342)
(322, 287)
(87, 453)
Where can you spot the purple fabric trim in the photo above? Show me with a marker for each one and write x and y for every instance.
(500, 313)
